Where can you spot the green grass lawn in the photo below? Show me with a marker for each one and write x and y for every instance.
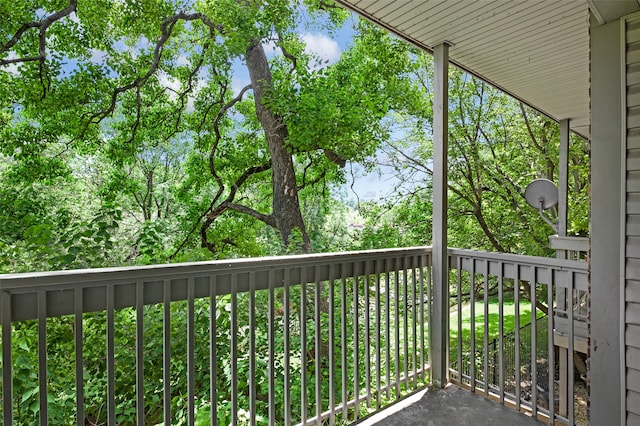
(494, 330)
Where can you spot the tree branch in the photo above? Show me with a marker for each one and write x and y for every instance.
(335, 158)
(286, 54)
(529, 129)
(420, 165)
(246, 175)
(166, 29)
(43, 26)
(136, 124)
(20, 60)
(195, 224)
(229, 204)
(267, 219)
(182, 96)
(216, 127)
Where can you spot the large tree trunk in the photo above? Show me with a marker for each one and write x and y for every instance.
(286, 206)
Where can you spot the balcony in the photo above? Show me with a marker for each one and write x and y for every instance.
(311, 339)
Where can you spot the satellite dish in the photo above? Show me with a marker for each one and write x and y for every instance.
(542, 194)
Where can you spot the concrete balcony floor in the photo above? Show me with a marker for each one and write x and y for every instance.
(448, 407)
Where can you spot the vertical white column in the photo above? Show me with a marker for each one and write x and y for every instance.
(439, 314)
(606, 344)
(563, 178)
(563, 199)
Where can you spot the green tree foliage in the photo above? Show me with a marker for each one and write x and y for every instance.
(148, 89)
(497, 146)
(126, 140)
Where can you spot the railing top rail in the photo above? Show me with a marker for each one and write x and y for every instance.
(519, 259)
(147, 285)
(168, 271)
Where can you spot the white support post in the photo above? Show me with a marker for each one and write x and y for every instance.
(563, 178)
(439, 313)
(563, 298)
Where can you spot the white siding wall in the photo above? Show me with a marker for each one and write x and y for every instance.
(632, 222)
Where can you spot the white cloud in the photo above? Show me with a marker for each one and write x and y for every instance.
(271, 49)
(183, 60)
(175, 87)
(12, 68)
(74, 17)
(325, 50)
(98, 56)
(198, 86)
(239, 82)
(169, 82)
(322, 47)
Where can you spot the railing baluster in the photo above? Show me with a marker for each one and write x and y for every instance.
(396, 323)
(139, 353)
(303, 345)
(367, 334)
(421, 293)
(213, 351)
(501, 330)
(428, 259)
(571, 349)
(414, 322)
(191, 381)
(405, 322)
(485, 290)
(252, 348)
(7, 360)
(318, 345)
(551, 348)
(459, 293)
(234, 349)
(332, 336)
(533, 346)
(472, 307)
(343, 341)
(378, 341)
(166, 350)
(42, 357)
(78, 333)
(387, 326)
(271, 349)
(111, 372)
(356, 341)
(516, 304)
(287, 347)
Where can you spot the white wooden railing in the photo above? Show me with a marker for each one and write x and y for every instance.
(283, 340)
(287, 340)
(528, 379)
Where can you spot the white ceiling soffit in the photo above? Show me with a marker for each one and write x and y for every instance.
(606, 10)
(537, 51)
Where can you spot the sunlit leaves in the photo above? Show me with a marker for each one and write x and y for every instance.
(496, 148)
(153, 106)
